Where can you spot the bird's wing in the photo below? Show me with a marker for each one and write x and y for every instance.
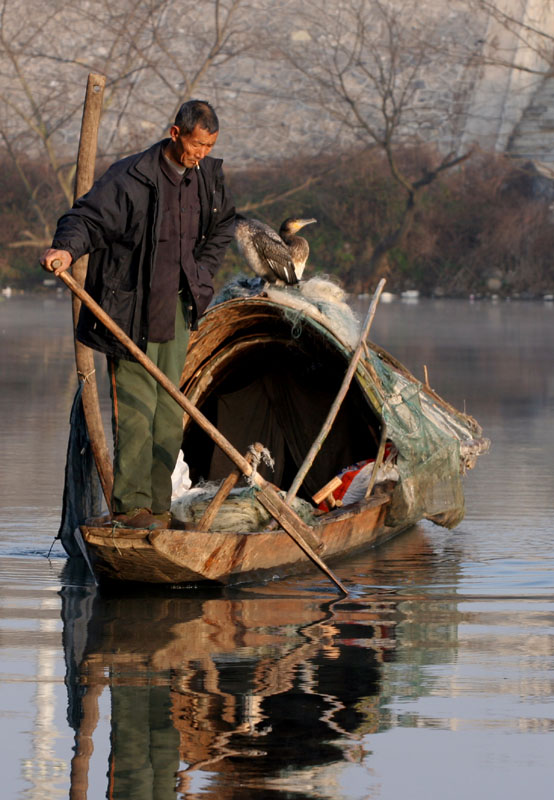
(272, 249)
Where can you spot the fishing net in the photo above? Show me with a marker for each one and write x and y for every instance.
(241, 512)
(429, 441)
(320, 298)
(82, 494)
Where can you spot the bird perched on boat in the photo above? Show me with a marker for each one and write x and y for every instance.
(277, 257)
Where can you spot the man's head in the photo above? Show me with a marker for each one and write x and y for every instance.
(196, 112)
(193, 134)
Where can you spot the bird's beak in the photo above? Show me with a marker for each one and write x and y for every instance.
(302, 222)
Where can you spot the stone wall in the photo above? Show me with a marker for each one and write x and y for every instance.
(509, 109)
(478, 83)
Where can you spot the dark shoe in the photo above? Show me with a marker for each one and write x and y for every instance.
(141, 518)
(169, 521)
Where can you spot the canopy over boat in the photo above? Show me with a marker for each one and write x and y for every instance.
(268, 367)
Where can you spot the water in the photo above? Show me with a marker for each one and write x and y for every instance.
(434, 678)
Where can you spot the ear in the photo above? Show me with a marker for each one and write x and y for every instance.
(174, 132)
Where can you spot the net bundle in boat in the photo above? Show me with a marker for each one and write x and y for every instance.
(240, 513)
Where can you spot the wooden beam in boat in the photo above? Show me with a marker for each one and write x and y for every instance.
(223, 492)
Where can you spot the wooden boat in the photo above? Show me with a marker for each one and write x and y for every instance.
(267, 368)
(270, 369)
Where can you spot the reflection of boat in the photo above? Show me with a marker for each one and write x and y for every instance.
(268, 368)
(254, 689)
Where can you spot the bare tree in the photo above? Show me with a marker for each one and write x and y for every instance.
(155, 54)
(377, 70)
(299, 76)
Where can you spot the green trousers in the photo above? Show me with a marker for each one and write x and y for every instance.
(147, 423)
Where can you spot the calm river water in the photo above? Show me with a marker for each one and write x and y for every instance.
(434, 678)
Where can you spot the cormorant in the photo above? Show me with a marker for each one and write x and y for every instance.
(278, 258)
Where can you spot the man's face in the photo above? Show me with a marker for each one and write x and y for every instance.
(188, 149)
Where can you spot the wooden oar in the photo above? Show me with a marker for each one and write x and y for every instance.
(266, 495)
(334, 410)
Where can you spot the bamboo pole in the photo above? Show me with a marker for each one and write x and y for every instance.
(84, 356)
(377, 463)
(334, 410)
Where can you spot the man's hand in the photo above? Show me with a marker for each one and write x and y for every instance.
(49, 256)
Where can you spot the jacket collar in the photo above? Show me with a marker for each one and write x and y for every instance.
(146, 165)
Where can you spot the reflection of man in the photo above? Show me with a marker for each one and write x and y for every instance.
(156, 225)
(240, 689)
(144, 758)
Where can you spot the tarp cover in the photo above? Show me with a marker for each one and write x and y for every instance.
(284, 409)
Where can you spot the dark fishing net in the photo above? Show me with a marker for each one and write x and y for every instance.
(82, 494)
(76, 612)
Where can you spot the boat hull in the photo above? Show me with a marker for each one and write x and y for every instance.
(184, 557)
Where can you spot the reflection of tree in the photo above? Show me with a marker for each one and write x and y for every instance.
(257, 687)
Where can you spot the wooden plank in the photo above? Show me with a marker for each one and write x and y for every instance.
(327, 490)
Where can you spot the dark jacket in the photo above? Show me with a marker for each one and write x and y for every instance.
(117, 222)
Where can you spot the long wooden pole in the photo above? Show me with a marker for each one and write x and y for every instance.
(334, 410)
(266, 495)
(84, 356)
(378, 461)
(84, 745)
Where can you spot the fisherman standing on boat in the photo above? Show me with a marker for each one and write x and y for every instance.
(156, 226)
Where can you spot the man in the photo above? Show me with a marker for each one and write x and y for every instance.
(156, 226)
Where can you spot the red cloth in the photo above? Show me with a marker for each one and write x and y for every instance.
(347, 475)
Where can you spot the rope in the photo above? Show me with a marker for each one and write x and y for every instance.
(296, 319)
(257, 456)
(85, 378)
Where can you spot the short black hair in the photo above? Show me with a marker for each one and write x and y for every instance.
(197, 112)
